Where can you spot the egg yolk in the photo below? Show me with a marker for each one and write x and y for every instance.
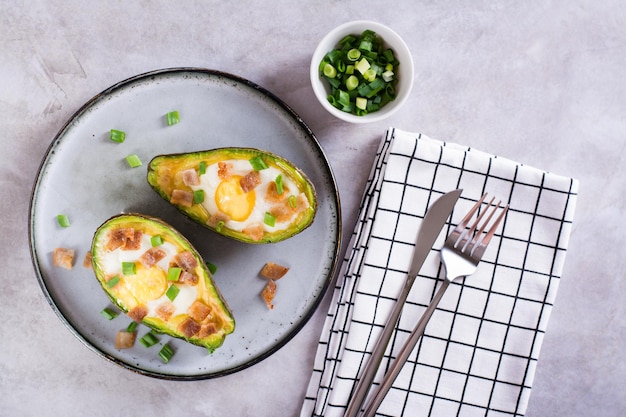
(233, 201)
(146, 284)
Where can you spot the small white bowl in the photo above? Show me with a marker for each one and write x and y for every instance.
(390, 39)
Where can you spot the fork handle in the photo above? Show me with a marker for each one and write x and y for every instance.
(403, 355)
(369, 372)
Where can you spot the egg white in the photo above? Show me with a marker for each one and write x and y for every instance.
(210, 181)
(112, 261)
(112, 265)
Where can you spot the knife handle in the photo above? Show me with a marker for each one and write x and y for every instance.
(404, 354)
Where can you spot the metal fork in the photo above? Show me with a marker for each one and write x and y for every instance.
(460, 254)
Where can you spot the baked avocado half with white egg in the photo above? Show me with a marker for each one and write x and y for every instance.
(153, 273)
(246, 194)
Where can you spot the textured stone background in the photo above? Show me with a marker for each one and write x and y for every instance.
(540, 82)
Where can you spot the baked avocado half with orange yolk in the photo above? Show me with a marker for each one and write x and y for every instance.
(154, 274)
(246, 194)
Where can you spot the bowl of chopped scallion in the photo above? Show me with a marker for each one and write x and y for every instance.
(362, 72)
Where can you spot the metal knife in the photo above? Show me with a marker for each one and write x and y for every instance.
(430, 228)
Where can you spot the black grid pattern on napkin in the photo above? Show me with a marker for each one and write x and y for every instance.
(334, 332)
(479, 352)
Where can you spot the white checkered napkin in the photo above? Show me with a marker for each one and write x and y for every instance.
(479, 352)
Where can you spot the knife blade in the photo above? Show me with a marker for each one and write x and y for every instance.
(431, 226)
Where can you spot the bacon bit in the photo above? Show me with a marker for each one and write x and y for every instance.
(224, 170)
(250, 181)
(133, 243)
(87, 261)
(198, 310)
(186, 261)
(268, 294)
(190, 177)
(302, 203)
(254, 232)
(120, 238)
(165, 310)
(189, 327)
(151, 257)
(124, 339)
(188, 278)
(182, 198)
(138, 313)
(124, 238)
(274, 271)
(207, 330)
(272, 193)
(282, 212)
(216, 218)
(63, 257)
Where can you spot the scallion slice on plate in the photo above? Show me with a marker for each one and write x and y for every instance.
(117, 136)
(63, 220)
(133, 161)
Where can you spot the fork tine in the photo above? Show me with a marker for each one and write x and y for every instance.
(495, 225)
(471, 236)
(486, 222)
(460, 231)
(482, 239)
(463, 223)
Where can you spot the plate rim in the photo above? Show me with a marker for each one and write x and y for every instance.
(300, 123)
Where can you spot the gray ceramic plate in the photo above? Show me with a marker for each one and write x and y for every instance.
(85, 176)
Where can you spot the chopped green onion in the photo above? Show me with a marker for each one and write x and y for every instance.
(344, 98)
(354, 54)
(363, 65)
(133, 161)
(269, 219)
(352, 82)
(174, 273)
(389, 57)
(365, 45)
(117, 135)
(330, 71)
(361, 103)
(172, 292)
(172, 118)
(63, 220)
(212, 267)
(166, 353)
(279, 184)
(202, 168)
(258, 163)
(129, 268)
(198, 196)
(109, 314)
(219, 225)
(132, 326)
(149, 339)
(360, 66)
(113, 281)
(292, 201)
(156, 240)
(370, 74)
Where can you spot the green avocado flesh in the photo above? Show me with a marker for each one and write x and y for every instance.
(152, 273)
(246, 194)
